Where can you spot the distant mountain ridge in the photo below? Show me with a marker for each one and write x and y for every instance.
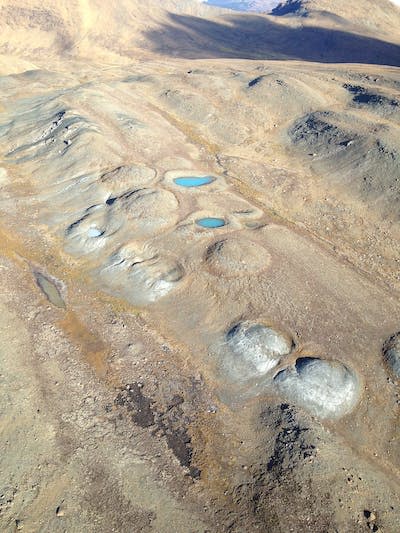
(118, 31)
(279, 7)
(261, 6)
(344, 8)
(372, 17)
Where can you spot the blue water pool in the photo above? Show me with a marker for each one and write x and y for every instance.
(193, 181)
(211, 222)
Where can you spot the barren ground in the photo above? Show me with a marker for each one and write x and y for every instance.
(159, 375)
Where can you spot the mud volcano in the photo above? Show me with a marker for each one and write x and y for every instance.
(91, 230)
(327, 389)
(122, 179)
(141, 274)
(254, 349)
(236, 257)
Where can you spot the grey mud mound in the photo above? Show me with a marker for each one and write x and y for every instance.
(142, 213)
(121, 180)
(327, 389)
(236, 257)
(140, 274)
(391, 354)
(253, 350)
(92, 230)
(151, 209)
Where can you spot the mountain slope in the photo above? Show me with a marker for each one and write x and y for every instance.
(366, 16)
(120, 31)
(90, 28)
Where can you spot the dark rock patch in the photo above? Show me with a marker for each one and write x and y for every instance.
(273, 491)
(170, 422)
(292, 443)
(363, 96)
(254, 82)
(391, 353)
(291, 7)
(138, 405)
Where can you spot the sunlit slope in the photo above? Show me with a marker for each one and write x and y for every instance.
(371, 17)
(118, 31)
(93, 29)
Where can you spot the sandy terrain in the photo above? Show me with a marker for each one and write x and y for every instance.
(208, 358)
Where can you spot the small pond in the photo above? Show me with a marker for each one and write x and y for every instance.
(210, 222)
(50, 289)
(193, 181)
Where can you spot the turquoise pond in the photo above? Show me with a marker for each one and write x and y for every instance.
(193, 181)
(211, 222)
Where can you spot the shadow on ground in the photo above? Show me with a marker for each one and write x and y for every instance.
(256, 37)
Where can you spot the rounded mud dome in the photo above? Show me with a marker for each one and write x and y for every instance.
(236, 257)
(391, 354)
(91, 231)
(150, 210)
(252, 350)
(138, 273)
(327, 389)
(151, 281)
(122, 179)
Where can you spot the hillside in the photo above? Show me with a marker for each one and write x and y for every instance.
(120, 32)
(367, 16)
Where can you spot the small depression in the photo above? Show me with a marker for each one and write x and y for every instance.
(236, 257)
(193, 181)
(94, 232)
(327, 389)
(391, 354)
(211, 222)
(50, 290)
(252, 350)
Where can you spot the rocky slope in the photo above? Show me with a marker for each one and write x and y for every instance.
(367, 17)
